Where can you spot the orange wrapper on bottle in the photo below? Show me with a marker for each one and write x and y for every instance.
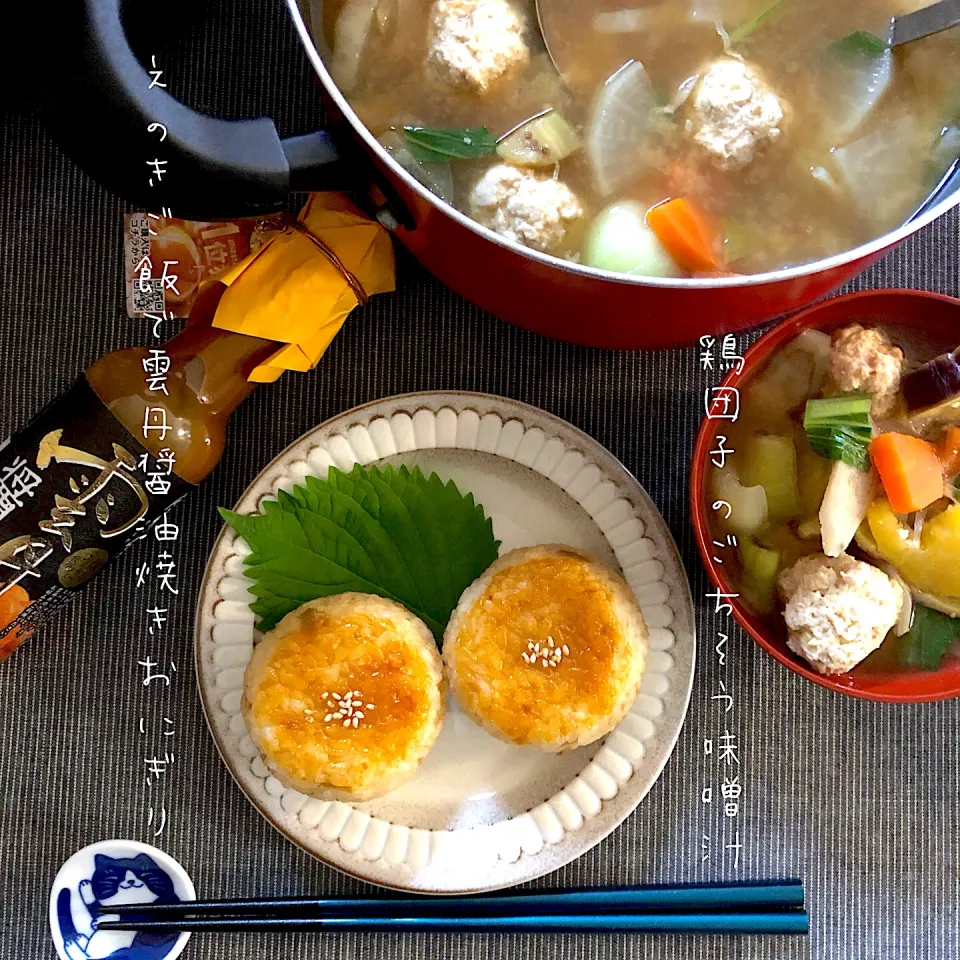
(90, 473)
(300, 286)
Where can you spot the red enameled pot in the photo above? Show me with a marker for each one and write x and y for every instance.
(582, 304)
(109, 116)
(933, 315)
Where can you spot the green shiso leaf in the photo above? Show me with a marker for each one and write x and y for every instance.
(391, 532)
(925, 643)
(434, 144)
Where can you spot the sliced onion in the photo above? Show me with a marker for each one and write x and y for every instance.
(825, 178)
(905, 620)
(622, 21)
(918, 520)
(947, 412)
(386, 11)
(947, 147)
(819, 346)
(704, 11)
(682, 95)
(350, 37)
(436, 177)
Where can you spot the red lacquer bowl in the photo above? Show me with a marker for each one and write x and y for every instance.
(936, 316)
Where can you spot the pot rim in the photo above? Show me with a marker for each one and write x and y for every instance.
(839, 260)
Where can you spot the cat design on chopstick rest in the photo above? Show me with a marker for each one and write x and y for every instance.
(115, 881)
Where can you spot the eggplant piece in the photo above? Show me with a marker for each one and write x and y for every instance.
(932, 384)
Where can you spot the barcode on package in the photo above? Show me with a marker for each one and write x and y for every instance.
(145, 296)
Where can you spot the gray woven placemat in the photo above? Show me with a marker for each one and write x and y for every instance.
(859, 799)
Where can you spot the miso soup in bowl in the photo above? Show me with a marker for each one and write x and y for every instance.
(835, 520)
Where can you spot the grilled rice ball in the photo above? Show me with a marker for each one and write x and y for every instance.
(546, 649)
(345, 697)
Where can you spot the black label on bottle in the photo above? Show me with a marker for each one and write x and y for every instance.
(76, 488)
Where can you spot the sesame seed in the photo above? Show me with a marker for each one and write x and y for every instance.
(369, 706)
(328, 718)
(566, 650)
(336, 696)
(346, 722)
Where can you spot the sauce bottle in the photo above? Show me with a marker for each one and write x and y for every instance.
(89, 474)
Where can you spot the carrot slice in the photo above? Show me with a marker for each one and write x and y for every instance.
(949, 451)
(13, 601)
(685, 233)
(910, 470)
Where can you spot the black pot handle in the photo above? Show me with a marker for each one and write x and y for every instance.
(115, 119)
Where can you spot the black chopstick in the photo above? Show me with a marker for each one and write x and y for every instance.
(770, 922)
(623, 900)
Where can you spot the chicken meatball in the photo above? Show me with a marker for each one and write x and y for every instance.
(838, 610)
(734, 114)
(476, 42)
(531, 209)
(864, 359)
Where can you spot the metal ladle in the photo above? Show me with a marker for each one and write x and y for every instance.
(923, 23)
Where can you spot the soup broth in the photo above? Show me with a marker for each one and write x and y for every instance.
(842, 138)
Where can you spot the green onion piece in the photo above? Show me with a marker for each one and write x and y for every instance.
(839, 444)
(744, 31)
(860, 43)
(840, 428)
(852, 408)
(434, 144)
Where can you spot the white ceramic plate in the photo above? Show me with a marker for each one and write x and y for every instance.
(479, 814)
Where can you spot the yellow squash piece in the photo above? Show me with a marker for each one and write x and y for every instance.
(541, 142)
(931, 563)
